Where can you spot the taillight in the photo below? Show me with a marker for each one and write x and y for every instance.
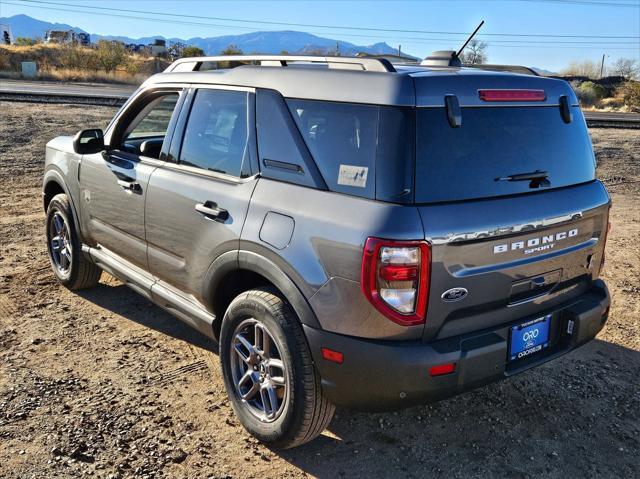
(512, 95)
(395, 278)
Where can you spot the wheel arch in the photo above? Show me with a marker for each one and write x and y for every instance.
(54, 184)
(237, 271)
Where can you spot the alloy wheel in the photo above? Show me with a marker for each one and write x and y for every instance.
(60, 243)
(259, 373)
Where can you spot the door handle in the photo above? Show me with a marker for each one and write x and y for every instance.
(210, 209)
(129, 185)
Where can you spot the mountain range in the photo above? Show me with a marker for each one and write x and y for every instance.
(255, 42)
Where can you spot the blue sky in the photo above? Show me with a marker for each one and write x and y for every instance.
(549, 18)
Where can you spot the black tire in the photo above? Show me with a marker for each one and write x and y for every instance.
(81, 272)
(305, 412)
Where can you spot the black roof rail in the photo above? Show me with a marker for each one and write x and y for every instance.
(345, 63)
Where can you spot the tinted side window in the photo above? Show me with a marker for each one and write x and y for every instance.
(154, 118)
(342, 140)
(395, 159)
(216, 135)
(145, 133)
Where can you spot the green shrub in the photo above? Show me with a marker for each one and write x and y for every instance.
(132, 67)
(111, 55)
(25, 41)
(75, 57)
(590, 93)
(192, 51)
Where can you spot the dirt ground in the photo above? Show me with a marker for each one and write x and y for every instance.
(105, 384)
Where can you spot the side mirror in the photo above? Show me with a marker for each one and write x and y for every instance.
(151, 148)
(87, 142)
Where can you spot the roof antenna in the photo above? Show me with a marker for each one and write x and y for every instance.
(448, 58)
(469, 39)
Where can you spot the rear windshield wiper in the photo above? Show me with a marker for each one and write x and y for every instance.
(538, 178)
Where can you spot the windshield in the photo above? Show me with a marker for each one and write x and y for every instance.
(498, 142)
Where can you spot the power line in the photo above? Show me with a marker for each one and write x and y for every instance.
(578, 2)
(421, 40)
(339, 27)
(584, 2)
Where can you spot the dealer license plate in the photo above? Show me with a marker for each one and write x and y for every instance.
(529, 338)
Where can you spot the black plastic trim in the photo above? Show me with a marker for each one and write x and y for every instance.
(249, 261)
(282, 165)
(565, 109)
(379, 375)
(454, 113)
(271, 109)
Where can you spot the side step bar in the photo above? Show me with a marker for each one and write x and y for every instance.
(187, 311)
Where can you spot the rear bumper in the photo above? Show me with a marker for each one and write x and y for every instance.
(383, 375)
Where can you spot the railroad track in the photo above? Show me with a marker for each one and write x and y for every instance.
(596, 122)
(59, 97)
(117, 98)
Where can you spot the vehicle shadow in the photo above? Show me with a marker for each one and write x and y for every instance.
(120, 299)
(574, 417)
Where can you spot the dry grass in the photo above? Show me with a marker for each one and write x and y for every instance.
(72, 75)
(625, 99)
(74, 63)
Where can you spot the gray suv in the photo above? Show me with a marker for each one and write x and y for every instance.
(351, 232)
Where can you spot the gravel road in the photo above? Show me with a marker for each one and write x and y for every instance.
(105, 384)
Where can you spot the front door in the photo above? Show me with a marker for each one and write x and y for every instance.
(114, 182)
(197, 203)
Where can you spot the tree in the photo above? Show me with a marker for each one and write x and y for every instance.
(585, 68)
(111, 54)
(176, 50)
(475, 53)
(231, 50)
(626, 67)
(25, 41)
(192, 51)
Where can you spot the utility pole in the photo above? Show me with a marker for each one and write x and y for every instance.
(602, 66)
(399, 50)
(337, 49)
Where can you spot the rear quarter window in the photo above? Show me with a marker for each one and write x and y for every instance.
(342, 140)
(360, 150)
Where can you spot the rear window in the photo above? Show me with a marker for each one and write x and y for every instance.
(493, 142)
(360, 150)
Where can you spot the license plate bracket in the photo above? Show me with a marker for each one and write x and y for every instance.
(529, 338)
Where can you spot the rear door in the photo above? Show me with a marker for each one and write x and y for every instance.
(506, 247)
(197, 202)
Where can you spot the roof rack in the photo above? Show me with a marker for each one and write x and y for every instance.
(345, 63)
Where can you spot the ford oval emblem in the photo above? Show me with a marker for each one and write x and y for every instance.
(454, 294)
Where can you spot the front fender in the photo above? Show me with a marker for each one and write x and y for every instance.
(54, 175)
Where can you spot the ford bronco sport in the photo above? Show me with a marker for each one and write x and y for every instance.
(351, 232)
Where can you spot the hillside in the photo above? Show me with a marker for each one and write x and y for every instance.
(254, 42)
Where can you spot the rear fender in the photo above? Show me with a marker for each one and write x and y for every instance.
(254, 262)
